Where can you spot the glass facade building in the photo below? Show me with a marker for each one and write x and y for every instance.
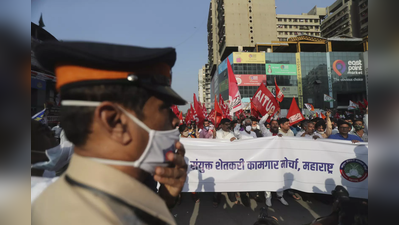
(307, 76)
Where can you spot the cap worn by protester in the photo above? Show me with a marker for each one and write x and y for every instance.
(87, 196)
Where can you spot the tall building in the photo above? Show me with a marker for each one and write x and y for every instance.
(342, 19)
(305, 68)
(294, 25)
(237, 25)
(364, 18)
(204, 86)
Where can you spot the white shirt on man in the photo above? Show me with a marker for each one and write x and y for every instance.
(289, 133)
(243, 134)
(221, 134)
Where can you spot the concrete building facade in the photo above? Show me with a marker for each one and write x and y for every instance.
(204, 86)
(342, 19)
(305, 24)
(364, 18)
(237, 25)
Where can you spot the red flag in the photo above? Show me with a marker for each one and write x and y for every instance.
(223, 107)
(181, 118)
(204, 111)
(212, 116)
(264, 101)
(234, 93)
(317, 115)
(188, 116)
(365, 102)
(254, 111)
(198, 112)
(175, 110)
(218, 114)
(279, 93)
(294, 114)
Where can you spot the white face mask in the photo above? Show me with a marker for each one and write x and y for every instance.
(248, 128)
(58, 158)
(160, 143)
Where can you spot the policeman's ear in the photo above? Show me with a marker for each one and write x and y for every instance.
(113, 122)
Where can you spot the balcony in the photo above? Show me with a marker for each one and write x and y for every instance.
(335, 25)
(333, 18)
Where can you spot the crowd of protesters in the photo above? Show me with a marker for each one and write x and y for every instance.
(351, 128)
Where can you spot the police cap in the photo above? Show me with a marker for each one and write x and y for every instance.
(77, 64)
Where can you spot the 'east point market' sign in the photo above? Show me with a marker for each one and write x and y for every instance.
(355, 67)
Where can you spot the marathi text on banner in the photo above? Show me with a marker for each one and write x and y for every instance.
(276, 164)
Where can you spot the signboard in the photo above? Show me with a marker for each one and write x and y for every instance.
(249, 57)
(281, 69)
(250, 80)
(350, 70)
(38, 84)
(288, 91)
(224, 85)
(299, 78)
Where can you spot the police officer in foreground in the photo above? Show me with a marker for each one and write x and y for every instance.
(116, 110)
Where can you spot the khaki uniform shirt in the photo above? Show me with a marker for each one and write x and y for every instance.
(63, 203)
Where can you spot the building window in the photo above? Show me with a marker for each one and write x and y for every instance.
(280, 33)
(252, 41)
(250, 11)
(251, 31)
(279, 20)
(285, 20)
(311, 33)
(250, 21)
(250, 17)
(290, 33)
(252, 37)
(285, 26)
(290, 26)
(286, 33)
(310, 21)
(250, 28)
(316, 21)
(296, 26)
(295, 20)
(289, 20)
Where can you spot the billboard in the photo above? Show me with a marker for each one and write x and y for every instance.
(38, 84)
(249, 57)
(250, 79)
(288, 91)
(281, 69)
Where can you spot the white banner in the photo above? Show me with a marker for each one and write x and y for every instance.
(276, 164)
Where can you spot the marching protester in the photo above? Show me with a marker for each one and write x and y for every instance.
(274, 127)
(184, 133)
(285, 129)
(309, 131)
(360, 127)
(247, 133)
(225, 131)
(207, 132)
(323, 128)
(115, 110)
(334, 126)
(344, 128)
(255, 127)
(295, 128)
(193, 130)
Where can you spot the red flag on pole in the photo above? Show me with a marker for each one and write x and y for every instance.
(234, 93)
(204, 111)
(212, 116)
(188, 116)
(181, 118)
(279, 93)
(224, 107)
(294, 114)
(198, 112)
(264, 101)
(361, 106)
(254, 111)
(218, 113)
(365, 102)
(175, 110)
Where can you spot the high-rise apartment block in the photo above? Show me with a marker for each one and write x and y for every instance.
(237, 25)
(204, 86)
(364, 18)
(295, 25)
(342, 19)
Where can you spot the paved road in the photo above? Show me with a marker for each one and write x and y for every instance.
(203, 213)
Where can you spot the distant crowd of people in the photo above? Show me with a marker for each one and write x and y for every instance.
(349, 128)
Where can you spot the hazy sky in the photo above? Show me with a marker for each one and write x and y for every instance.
(151, 23)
